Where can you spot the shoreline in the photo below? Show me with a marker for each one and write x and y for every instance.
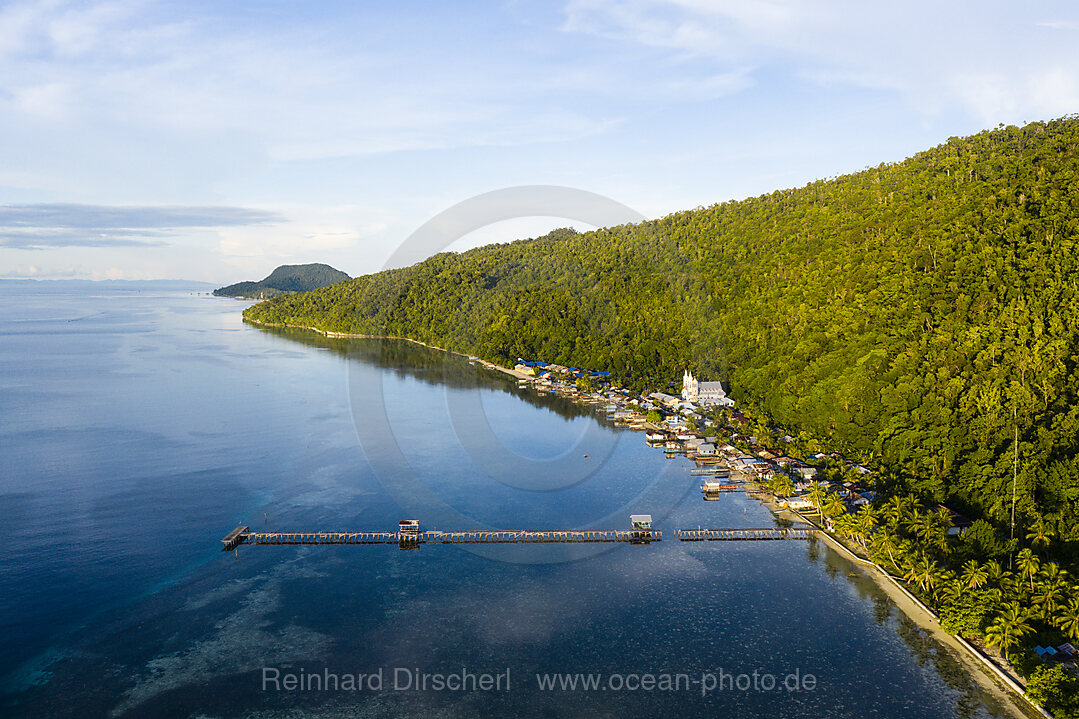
(989, 676)
(352, 335)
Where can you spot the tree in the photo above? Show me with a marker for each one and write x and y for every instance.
(884, 546)
(965, 615)
(833, 505)
(896, 511)
(1051, 687)
(981, 541)
(924, 572)
(817, 494)
(949, 588)
(996, 573)
(974, 575)
(1050, 594)
(1067, 618)
(1039, 534)
(1008, 627)
(1027, 564)
(859, 525)
(781, 485)
(653, 416)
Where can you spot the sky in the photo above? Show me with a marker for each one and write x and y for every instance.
(215, 141)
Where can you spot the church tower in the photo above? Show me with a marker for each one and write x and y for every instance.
(689, 387)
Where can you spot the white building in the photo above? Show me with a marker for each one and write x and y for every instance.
(664, 400)
(704, 393)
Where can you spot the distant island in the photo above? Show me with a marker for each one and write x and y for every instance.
(286, 279)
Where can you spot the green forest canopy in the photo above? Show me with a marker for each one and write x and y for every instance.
(911, 315)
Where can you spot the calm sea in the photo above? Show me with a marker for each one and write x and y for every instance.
(140, 423)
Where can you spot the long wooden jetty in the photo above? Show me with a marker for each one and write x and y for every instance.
(242, 535)
(743, 534)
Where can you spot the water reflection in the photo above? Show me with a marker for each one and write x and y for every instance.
(431, 366)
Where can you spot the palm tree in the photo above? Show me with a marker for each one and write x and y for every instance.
(857, 526)
(844, 526)
(943, 517)
(939, 539)
(894, 512)
(924, 572)
(1067, 618)
(833, 505)
(1051, 593)
(924, 527)
(996, 572)
(912, 521)
(817, 493)
(1039, 534)
(1008, 628)
(781, 485)
(1028, 565)
(948, 588)
(974, 576)
(865, 522)
(884, 544)
(1052, 571)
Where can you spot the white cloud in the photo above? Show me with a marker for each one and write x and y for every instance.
(1059, 24)
(993, 60)
(50, 101)
(301, 91)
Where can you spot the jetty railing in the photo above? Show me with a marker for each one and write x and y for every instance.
(243, 535)
(731, 534)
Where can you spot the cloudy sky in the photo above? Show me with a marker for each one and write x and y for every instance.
(216, 140)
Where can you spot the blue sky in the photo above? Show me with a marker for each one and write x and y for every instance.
(215, 141)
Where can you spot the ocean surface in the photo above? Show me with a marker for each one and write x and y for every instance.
(140, 423)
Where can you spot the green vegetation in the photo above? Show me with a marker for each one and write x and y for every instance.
(914, 316)
(978, 599)
(1054, 689)
(285, 280)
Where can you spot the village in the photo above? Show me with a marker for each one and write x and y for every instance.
(702, 425)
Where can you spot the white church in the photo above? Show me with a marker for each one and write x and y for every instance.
(705, 394)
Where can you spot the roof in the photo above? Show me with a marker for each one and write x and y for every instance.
(635, 518)
(958, 520)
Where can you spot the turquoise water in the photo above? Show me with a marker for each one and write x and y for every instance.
(140, 424)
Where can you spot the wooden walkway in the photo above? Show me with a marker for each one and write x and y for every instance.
(732, 534)
(242, 535)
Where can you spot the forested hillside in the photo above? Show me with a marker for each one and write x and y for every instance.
(913, 315)
(285, 279)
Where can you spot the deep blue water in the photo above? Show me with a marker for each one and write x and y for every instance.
(139, 425)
